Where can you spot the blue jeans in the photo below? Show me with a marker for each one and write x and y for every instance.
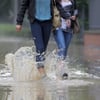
(41, 32)
(63, 40)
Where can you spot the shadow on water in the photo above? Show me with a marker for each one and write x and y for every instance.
(84, 84)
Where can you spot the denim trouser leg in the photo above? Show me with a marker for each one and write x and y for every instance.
(59, 38)
(41, 33)
(68, 36)
(63, 40)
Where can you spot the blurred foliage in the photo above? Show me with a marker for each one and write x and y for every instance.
(83, 4)
(9, 30)
(83, 11)
(4, 6)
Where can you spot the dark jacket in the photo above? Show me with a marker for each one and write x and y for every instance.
(28, 5)
(74, 11)
(63, 12)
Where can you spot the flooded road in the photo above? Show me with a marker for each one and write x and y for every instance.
(84, 83)
(50, 91)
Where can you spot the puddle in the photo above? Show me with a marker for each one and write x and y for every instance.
(17, 81)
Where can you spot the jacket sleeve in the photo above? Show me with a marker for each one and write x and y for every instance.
(75, 8)
(20, 16)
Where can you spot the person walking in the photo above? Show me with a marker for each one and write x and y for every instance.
(39, 15)
(64, 33)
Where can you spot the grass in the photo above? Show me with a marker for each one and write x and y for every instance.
(9, 30)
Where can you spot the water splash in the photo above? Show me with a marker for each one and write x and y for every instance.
(75, 70)
(22, 66)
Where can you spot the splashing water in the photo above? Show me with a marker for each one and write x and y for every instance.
(22, 66)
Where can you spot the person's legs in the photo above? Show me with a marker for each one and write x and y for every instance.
(46, 30)
(63, 40)
(68, 36)
(40, 49)
(41, 32)
(59, 38)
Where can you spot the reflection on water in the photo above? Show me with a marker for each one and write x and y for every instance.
(4, 92)
(53, 91)
(83, 84)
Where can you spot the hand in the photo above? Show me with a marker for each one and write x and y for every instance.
(18, 28)
(68, 22)
(73, 17)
